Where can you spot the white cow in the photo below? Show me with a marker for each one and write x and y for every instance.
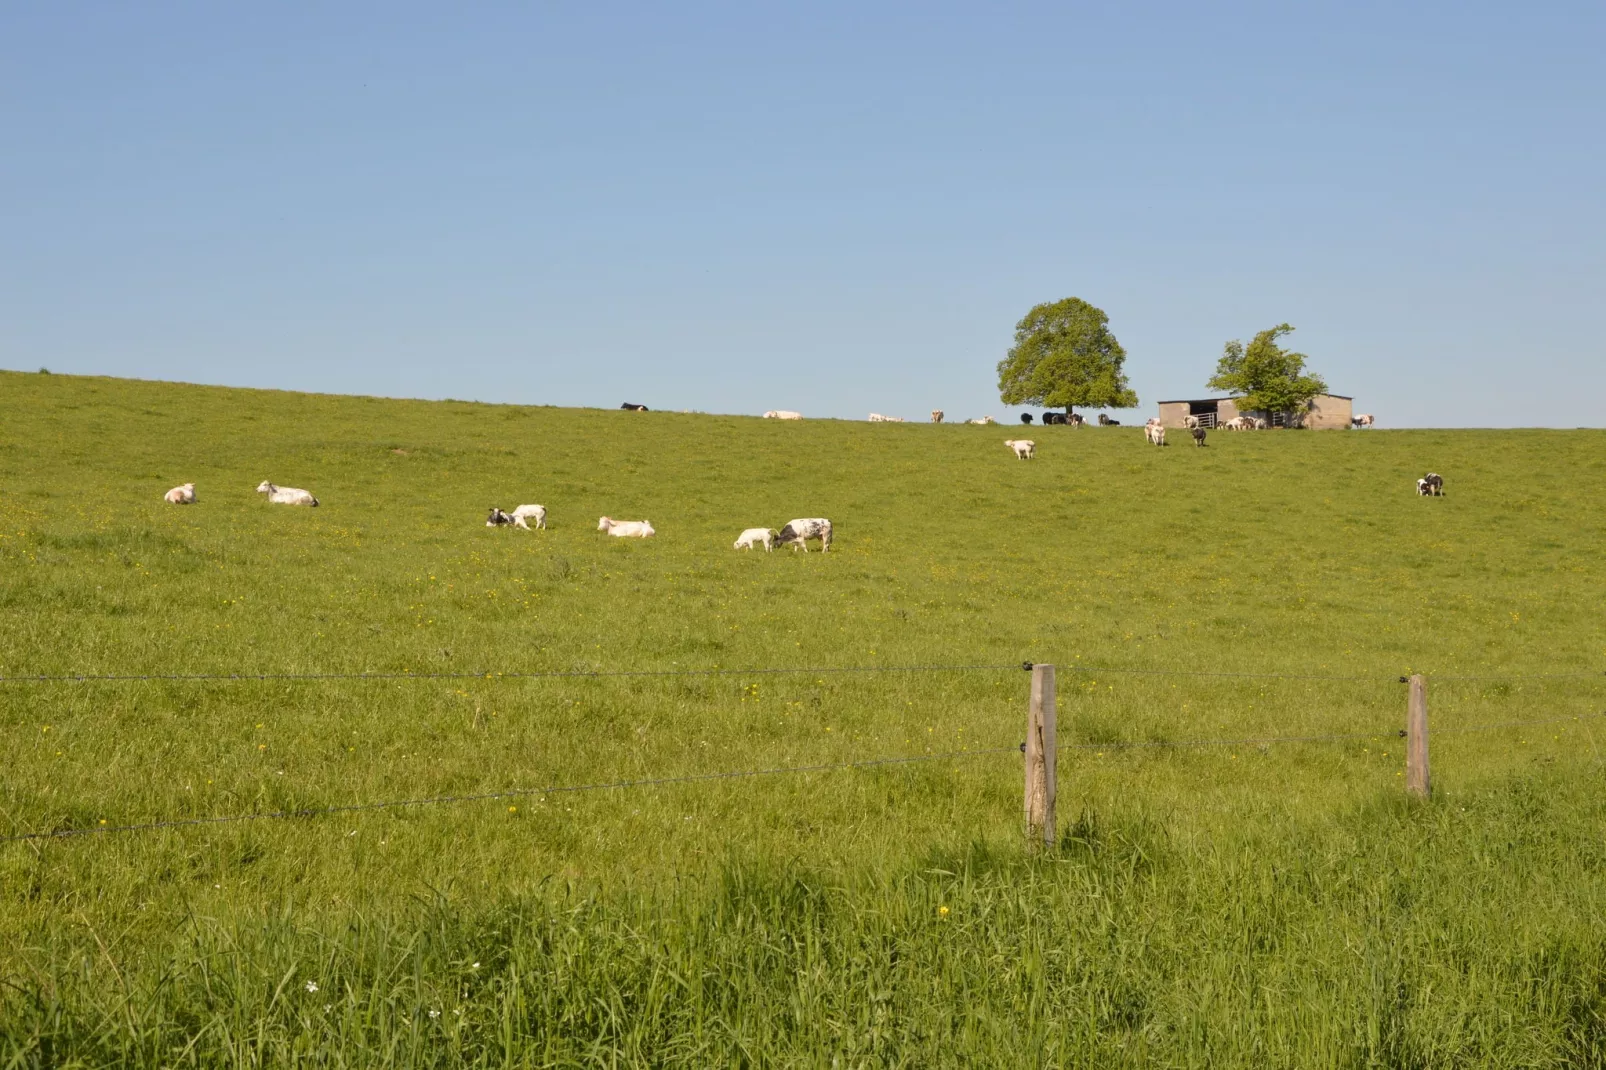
(1154, 431)
(1260, 423)
(877, 418)
(1237, 423)
(799, 532)
(1191, 421)
(1024, 447)
(525, 513)
(629, 529)
(184, 495)
(937, 415)
(983, 420)
(286, 495)
(754, 537)
(783, 414)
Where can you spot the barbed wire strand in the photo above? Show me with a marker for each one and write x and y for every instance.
(563, 674)
(515, 793)
(40, 678)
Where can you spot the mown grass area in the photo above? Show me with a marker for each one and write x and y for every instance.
(1265, 904)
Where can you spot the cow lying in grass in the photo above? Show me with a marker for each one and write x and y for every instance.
(628, 529)
(286, 495)
(184, 495)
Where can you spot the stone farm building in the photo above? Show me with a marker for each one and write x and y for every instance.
(1326, 411)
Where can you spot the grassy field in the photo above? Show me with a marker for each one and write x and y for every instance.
(1264, 904)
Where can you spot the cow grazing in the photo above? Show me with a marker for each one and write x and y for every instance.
(937, 415)
(1108, 421)
(184, 495)
(783, 414)
(799, 532)
(286, 495)
(633, 407)
(629, 529)
(1431, 485)
(1024, 448)
(497, 518)
(755, 537)
(1198, 436)
(1365, 419)
(525, 513)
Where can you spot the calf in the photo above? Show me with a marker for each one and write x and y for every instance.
(497, 518)
(1237, 423)
(184, 495)
(937, 415)
(1431, 485)
(983, 420)
(1198, 436)
(1106, 421)
(1025, 417)
(755, 536)
(1024, 448)
(799, 532)
(1192, 421)
(783, 414)
(1154, 431)
(525, 513)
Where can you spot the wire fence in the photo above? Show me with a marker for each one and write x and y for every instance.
(513, 793)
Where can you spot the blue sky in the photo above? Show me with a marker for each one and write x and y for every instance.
(830, 208)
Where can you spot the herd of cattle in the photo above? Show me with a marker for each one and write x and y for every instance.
(798, 533)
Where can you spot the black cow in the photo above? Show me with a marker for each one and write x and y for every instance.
(1025, 417)
(497, 518)
(1198, 436)
(1431, 485)
(633, 407)
(1105, 421)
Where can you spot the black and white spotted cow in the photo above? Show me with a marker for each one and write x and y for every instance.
(1431, 485)
(799, 532)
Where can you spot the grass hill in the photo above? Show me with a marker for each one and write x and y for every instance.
(1265, 904)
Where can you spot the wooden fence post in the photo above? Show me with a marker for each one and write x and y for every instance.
(1416, 739)
(1040, 758)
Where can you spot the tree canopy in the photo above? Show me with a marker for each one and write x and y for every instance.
(1064, 355)
(1265, 376)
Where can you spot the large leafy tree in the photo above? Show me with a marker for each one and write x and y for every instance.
(1265, 376)
(1064, 355)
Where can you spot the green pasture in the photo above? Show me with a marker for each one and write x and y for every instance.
(1257, 904)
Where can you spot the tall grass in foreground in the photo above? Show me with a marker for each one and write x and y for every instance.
(1465, 932)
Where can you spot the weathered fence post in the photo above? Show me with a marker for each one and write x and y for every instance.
(1416, 739)
(1040, 758)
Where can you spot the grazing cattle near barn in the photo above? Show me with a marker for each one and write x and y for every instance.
(525, 513)
(1365, 419)
(1198, 436)
(755, 537)
(937, 415)
(286, 495)
(1237, 423)
(184, 495)
(629, 529)
(1431, 485)
(799, 532)
(1024, 448)
(1191, 422)
(633, 407)
(783, 414)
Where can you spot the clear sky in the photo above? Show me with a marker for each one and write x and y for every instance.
(835, 208)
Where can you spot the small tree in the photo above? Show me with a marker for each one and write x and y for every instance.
(1265, 376)
(1064, 355)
